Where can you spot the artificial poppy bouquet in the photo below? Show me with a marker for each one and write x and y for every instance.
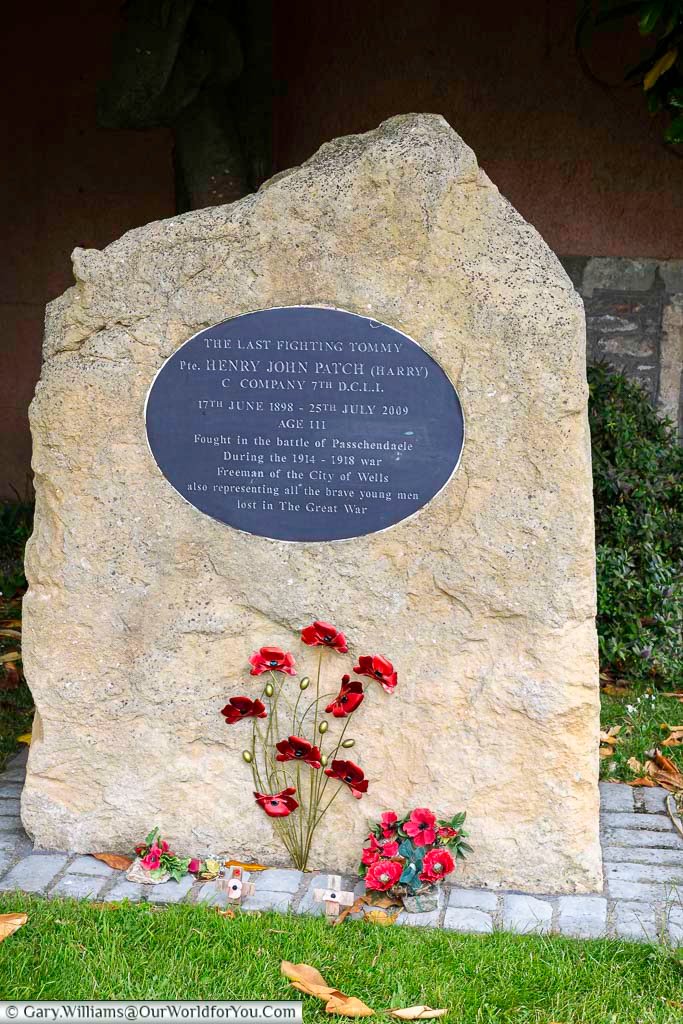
(408, 857)
(156, 862)
(298, 738)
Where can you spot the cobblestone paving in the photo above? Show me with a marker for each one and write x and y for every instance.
(642, 853)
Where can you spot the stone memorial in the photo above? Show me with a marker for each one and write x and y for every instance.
(358, 396)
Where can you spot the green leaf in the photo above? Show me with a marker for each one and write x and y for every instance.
(674, 133)
(152, 836)
(664, 64)
(650, 16)
(675, 98)
(407, 850)
(409, 876)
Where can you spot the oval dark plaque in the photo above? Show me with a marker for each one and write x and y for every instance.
(304, 424)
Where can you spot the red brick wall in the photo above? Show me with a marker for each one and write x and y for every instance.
(64, 183)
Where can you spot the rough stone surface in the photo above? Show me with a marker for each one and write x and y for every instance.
(169, 892)
(34, 873)
(645, 821)
(277, 880)
(582, 917)
(467, 919)
(616, 797)
(142, 612)
(125, 890)
(90, 866)
(675, 924)
(479, 899)
(526, 914)
(80, 886)
(635, 921)
(264, 900)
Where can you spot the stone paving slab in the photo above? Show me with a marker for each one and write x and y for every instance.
(635, 921)
(35, 872)
(641, 837)
(467, 919)
(89, 866)
(582, 917)
(642, 851)
(526, 914)
(477, 899)
(125, 890)
(79, 886)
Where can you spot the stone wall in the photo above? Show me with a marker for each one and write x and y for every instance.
(634, 321)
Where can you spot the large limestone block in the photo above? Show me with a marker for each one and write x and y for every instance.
(142, 611)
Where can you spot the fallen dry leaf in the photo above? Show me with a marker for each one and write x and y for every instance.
(353, 909)
(606, 752)
(228, 912)
(644, 780)
(310, 981)
(117, 861)
(675, 737)
(12, 633)
(635, 765)
(306, 979)
(416, 1013)
(664, 772)
(611, 736)
(244, 866)
(10, 923)
(24, 738)
(10, 656)
(347, 1006)
(380, 917)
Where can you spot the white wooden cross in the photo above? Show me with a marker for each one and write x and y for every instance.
(235, 886)
(333, 896)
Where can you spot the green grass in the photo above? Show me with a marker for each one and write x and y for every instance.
(640, 712)
(71, 950)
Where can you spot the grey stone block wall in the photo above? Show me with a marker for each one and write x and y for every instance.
(634, 321)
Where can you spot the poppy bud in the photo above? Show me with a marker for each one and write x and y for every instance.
(304, 684)
(323, 727)
(269, 690)
(348, 743)
(323, 759)
(246, 754)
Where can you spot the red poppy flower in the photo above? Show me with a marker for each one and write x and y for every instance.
(379, 668)
(194, 865)
(446, 832)
(388, 824)
(383, 874)
(272, 659)
(140, 849)
(297, 749)
(153, 859)
(351, 774)
(436, 864)
(279, 805)
(348, 698)
(390, 849)
(421, 826)
(243, 707)
(322, 633)
(370, 853)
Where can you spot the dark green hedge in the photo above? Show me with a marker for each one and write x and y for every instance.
(638, 488)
